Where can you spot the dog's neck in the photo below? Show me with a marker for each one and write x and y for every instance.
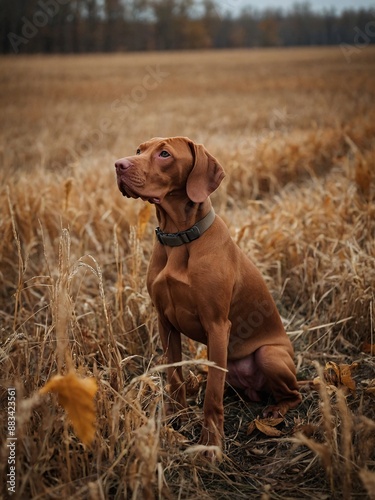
(175, 214)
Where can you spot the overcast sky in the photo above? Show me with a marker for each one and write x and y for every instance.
(339, 5)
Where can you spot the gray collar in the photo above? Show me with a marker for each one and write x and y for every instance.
(191, 234)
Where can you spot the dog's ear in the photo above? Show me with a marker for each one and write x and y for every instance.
(206, 174)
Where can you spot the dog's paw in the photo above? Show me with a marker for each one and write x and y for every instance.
(281, 408)
(212, 454)
(275, 411)
(211, 444)
(205, 453)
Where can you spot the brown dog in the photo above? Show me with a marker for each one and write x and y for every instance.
(204, 286)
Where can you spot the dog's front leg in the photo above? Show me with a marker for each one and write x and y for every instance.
(171, 341)
(213, 408)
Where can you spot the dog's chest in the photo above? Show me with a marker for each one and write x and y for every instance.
(172, 293)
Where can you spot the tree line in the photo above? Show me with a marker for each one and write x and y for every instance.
(77, 26)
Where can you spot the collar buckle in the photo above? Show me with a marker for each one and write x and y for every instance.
(191, 234)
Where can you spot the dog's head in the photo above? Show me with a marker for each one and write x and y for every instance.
(174, 165)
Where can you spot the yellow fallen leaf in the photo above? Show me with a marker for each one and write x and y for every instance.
(76, 395)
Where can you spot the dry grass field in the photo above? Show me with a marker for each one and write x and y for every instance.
(295, 132)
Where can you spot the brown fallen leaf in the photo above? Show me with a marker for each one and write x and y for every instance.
(250, 428)
(266, 426)
(346, 375)
(340, 375)
(76, 395)
(332, 373)
(268, 430)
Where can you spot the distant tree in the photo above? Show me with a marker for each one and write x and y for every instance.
(249, 26)
(115, 25)
(299, 22)
(28, 26)
(211, 21)
(269, 29)
(91, 33)
(196, 35)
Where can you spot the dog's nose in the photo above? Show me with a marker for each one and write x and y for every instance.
(122, 165)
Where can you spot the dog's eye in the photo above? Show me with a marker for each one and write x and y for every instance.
(138, 151)
(164, 154)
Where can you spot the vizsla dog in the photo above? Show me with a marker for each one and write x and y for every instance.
(205, 287)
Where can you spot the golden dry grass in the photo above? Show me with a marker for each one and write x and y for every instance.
(294, 130)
